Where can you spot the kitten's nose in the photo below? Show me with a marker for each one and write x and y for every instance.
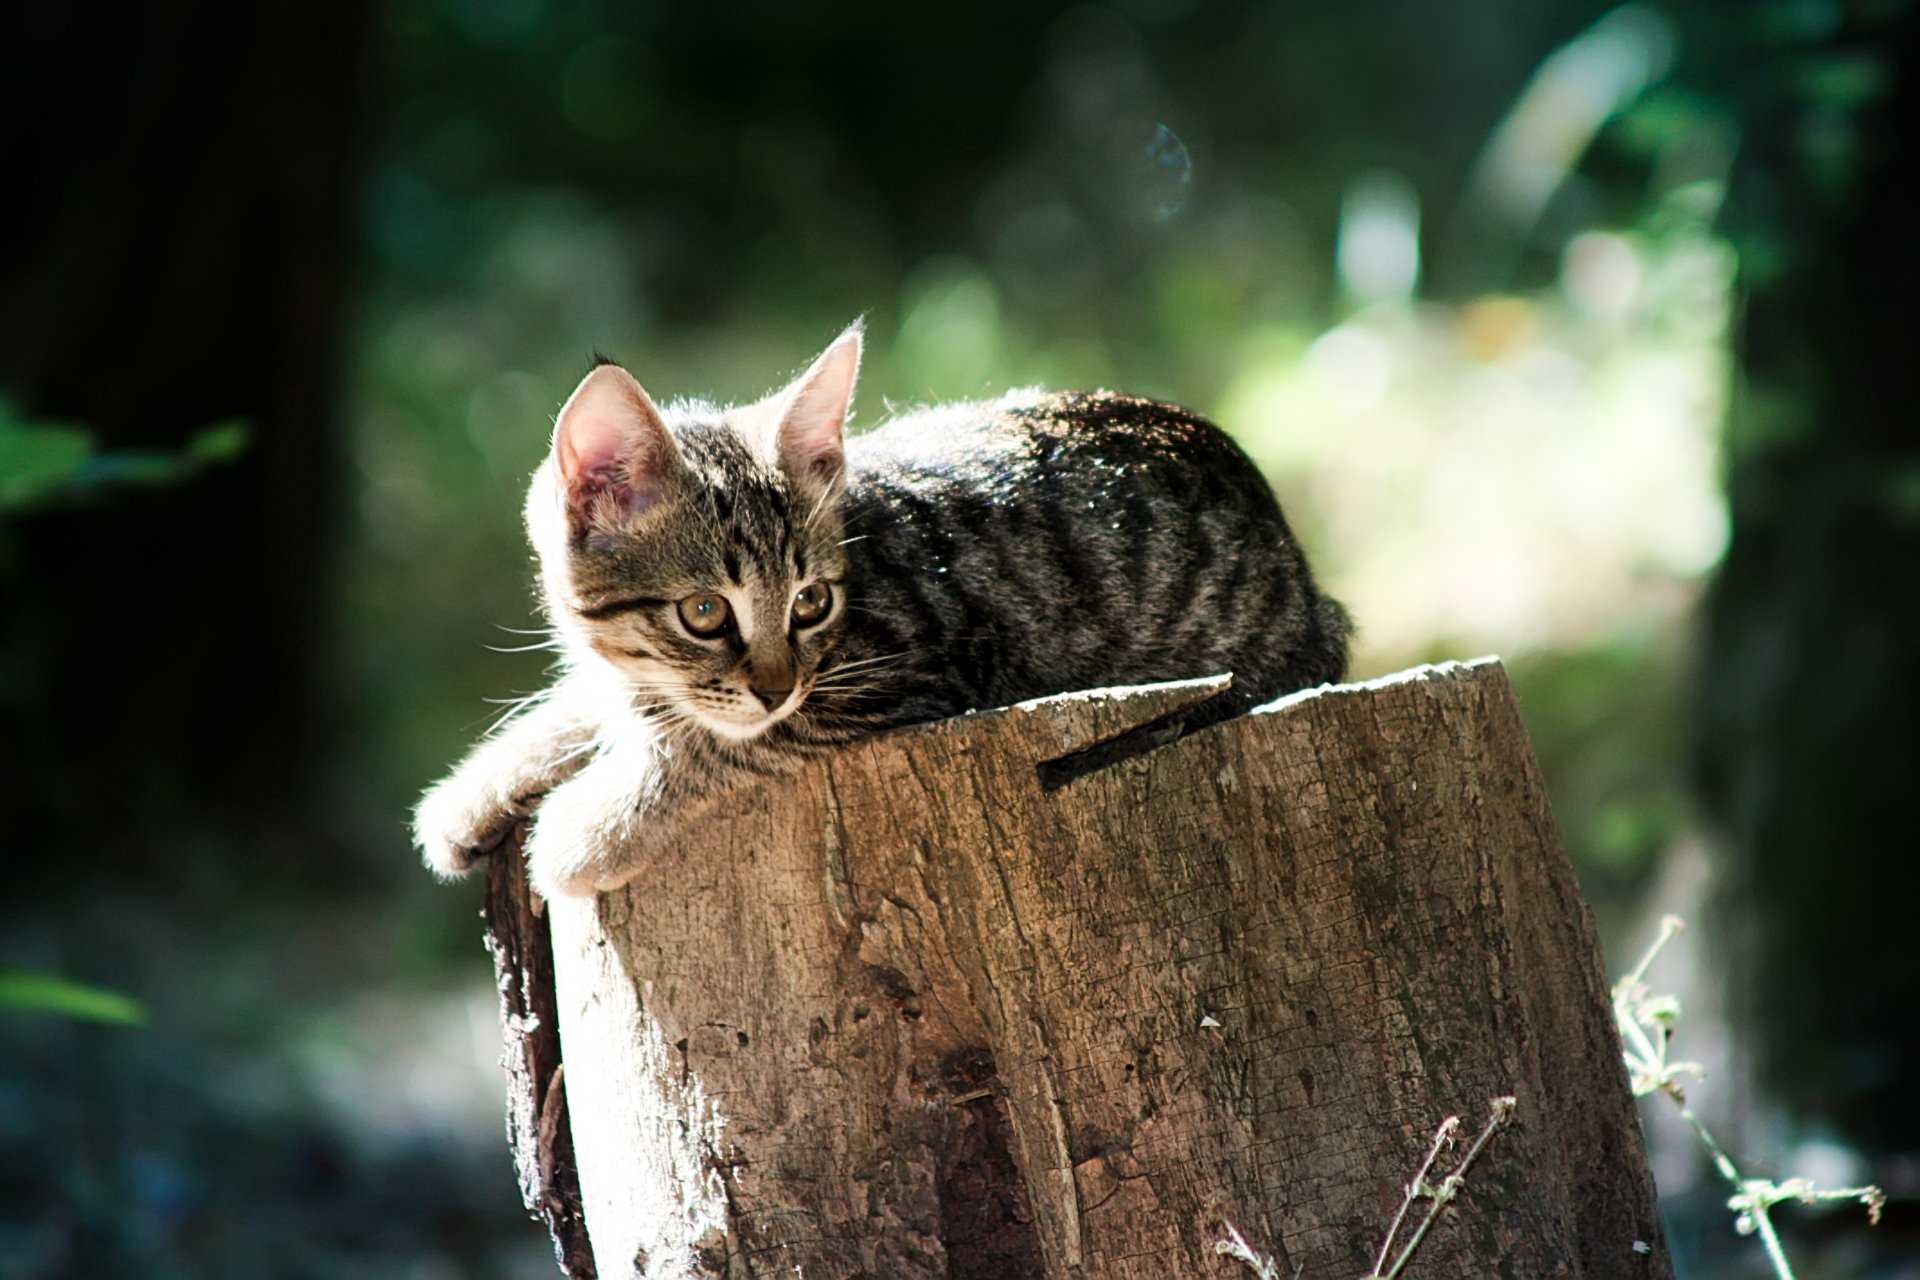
(771, 695)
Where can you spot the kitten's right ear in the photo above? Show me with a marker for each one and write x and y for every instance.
(611, 451)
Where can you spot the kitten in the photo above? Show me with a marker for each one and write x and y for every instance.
(734, 589)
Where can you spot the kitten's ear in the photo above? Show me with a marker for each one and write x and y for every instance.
(611, 451)
(813, 411)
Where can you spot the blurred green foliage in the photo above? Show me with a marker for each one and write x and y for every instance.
(42, 993)
(42, 463)
(1609, 727)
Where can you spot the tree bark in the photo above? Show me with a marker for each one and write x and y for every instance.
(963, 1001)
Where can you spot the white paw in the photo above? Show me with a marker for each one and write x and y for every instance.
(458, 823)
(581, 842)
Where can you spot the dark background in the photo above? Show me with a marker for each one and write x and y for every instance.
(1573, 333)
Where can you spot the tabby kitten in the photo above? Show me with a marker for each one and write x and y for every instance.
(733, 589)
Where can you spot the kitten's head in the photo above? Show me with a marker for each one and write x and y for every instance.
(698, 551)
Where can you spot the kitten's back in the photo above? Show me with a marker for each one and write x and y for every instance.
(1043, 543)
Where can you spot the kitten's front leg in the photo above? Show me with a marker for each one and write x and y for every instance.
(466, 815)
(585, 835)
(596, 831)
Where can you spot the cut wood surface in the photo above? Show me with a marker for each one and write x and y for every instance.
(959, 1002)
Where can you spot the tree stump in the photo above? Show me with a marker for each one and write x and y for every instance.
(1057, 991)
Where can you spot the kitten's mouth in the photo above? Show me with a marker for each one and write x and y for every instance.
(751, 723)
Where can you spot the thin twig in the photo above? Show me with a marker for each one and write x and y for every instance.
(1442, 1195)
(1236, 1246)
(1441, 1137)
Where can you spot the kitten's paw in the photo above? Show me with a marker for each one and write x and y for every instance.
(457, 824)
(578, 844)
(551, 879)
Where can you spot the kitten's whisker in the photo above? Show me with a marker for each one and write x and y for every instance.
(582, 749)
(839, 688)
(863, 668)
(867, 664)
(841, 695)
(661, 703)
(513, 707)
(857, 664)
(861, 686)
(560, 733)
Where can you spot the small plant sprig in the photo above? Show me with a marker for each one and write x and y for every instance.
(1647, 1023)
(1439, 1195)
(1235, 1246)
(1442, 1193)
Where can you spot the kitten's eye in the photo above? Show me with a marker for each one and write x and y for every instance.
(705, 615)
(811, 603)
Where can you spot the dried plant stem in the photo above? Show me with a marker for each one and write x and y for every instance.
(1235, 1246)
(1441, 1138)
(1443, 1194)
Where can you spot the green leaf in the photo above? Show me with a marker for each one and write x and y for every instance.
(38, 461)
(220, 442)
(41, 462)
(41, 993)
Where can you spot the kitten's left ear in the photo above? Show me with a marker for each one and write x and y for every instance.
(813, 411)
